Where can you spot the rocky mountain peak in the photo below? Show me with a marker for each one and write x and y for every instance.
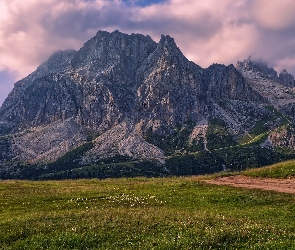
(129, 95)
(286, 79)
(59, 60)
(258, 67)
(108, 50)
(226, 82)
(169, 46)
(167, 40)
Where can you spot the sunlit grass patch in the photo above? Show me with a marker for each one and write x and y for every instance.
(133, 200)
(279, 170)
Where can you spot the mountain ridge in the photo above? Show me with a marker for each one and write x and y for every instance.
(131, 96)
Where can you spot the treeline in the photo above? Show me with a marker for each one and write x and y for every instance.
(229, 159)
(204, 162)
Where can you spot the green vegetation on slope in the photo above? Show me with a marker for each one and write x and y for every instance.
(252, 139)
(262, 127)
(178, 140)
(235, 158)
(118, 166)
(164, 213)
(218, 136)
(232, 159)
(284, 169)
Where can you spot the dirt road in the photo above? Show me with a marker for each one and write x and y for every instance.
(278, 185)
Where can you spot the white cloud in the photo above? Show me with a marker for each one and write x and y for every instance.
(274, 14)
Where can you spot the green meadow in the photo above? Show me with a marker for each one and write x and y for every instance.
(143, 213)
(279, 170)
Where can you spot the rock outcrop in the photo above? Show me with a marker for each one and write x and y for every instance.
(286, 79)
(277, 90)
(283, 137)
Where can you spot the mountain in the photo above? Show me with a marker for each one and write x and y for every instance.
(279, 91)
(125, 105)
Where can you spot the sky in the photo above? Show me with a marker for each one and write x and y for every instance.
(206, 31)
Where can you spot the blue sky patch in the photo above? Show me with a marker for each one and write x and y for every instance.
(6, 83)
(143, 3)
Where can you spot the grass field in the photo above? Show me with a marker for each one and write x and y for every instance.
(141, 213)
(279, 170)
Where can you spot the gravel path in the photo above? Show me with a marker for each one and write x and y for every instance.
(278, 185)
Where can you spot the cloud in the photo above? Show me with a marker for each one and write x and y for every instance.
(275, 15)
(207, 32)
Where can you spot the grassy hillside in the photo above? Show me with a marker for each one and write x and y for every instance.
(141, 213)
(284, 169)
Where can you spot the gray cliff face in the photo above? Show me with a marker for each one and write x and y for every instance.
(120, 87)
(260, 69)
(96, 85)
(225, 82)
(169, 86)
(59, 138)
(122, 140)
(30, 103)
(283, 137)
(58, 63)
(174, 90)
(286, 79)
(277, 90)
(110, 54)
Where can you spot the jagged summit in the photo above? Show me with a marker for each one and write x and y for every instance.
(128, 95)
(258, 66)
(107, 50)
(286, 79)
(278, 90)
(167, 40)
(261, 69)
